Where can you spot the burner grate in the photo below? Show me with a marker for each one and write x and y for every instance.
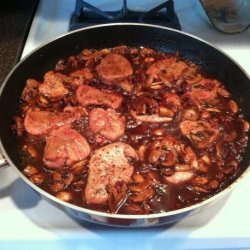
(86, 14)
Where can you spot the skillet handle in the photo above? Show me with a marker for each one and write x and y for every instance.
(3, 162)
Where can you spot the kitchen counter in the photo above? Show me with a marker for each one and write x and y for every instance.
(15, 20)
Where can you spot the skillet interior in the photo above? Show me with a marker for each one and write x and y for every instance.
(43, 59)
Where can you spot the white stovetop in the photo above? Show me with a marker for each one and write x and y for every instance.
(27, 222)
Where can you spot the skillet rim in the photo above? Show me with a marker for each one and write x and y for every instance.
(191, 208)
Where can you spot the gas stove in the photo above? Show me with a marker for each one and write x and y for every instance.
(28, 222)
(86, 14)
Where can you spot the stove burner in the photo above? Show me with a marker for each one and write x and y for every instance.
(86, 14)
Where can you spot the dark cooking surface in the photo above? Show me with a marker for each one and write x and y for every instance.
(215, 62)
(189, 134)
(15, 20)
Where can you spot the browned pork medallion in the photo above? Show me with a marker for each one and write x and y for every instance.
(130, 131)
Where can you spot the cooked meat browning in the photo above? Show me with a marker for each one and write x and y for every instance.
(79, 77)
(84, 73)
(108, 165)
(205, 90)
(130, 131)
(167, 70)
(87, 95)
(200, 133)
(52, 86)
(38, 122)
(114, 67)
(64, 147)
(107, 123)
(172, 101)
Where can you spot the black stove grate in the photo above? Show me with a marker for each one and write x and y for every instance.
(86, 14)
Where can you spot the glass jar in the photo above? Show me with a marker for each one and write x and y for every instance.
(229, 16)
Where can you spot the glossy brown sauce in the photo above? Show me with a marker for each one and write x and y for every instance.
(174, 169)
